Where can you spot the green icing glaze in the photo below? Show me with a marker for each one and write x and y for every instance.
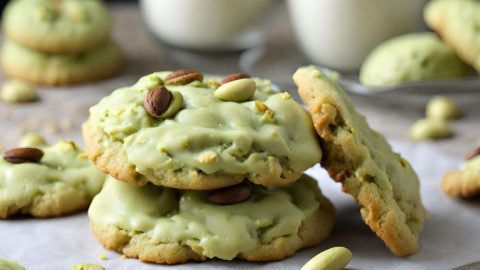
(10, 265)
(411, 57)
(180, 216)
(62, 167)
(241, 138)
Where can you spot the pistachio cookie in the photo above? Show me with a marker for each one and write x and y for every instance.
(380, 180)
(57, 26)
(163, 225)
(465, 182)
(458, 23)
(46, 181)
(184, 131)
(411, 57)
(54, 69)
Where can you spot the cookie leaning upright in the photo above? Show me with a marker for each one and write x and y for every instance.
(456, 21)
(184, 131)
(381, 181)
(57, 26)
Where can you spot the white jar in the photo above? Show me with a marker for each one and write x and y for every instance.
(340, 33)
(203, 24)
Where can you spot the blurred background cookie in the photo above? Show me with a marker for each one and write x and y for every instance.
(65, 26)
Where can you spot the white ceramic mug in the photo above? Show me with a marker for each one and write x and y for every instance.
(203, 24)
(339, 34)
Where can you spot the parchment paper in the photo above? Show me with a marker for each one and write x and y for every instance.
(449, 238)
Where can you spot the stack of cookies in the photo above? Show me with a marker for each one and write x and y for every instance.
(58, 41)
(204, 167)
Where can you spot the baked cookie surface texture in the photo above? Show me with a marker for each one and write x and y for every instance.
(202, 141)
(57, 26)
(63, 181)
(380, 180)
(458, 23)
(164, 225)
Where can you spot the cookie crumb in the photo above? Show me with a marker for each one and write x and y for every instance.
(207, 157)
(285, 95)
(102, 257)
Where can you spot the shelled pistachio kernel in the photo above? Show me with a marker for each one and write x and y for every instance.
(331, 259)
(430, 129)
(18, 91)
(32, 139)
(443, 107)
(237, 90)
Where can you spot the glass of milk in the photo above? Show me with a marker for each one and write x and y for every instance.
(206, 25)
(340, 33)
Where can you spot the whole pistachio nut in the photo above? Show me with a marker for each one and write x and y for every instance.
(231, 195)
(23, 155)
(235, 76)
(238, 90)
(183, 76)
(443, 107)
(157, 101)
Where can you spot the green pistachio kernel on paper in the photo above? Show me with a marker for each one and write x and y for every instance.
(331, 259)
(430, 129)
(443, 107)
(17, 91)
(32, 139)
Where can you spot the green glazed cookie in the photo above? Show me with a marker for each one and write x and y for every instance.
(57, 26)
(10, 265)
(458, 23)
(411, 57)
(169, 226)
(204, 142)
(380, 180)
(56, 69)
(59, 182)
